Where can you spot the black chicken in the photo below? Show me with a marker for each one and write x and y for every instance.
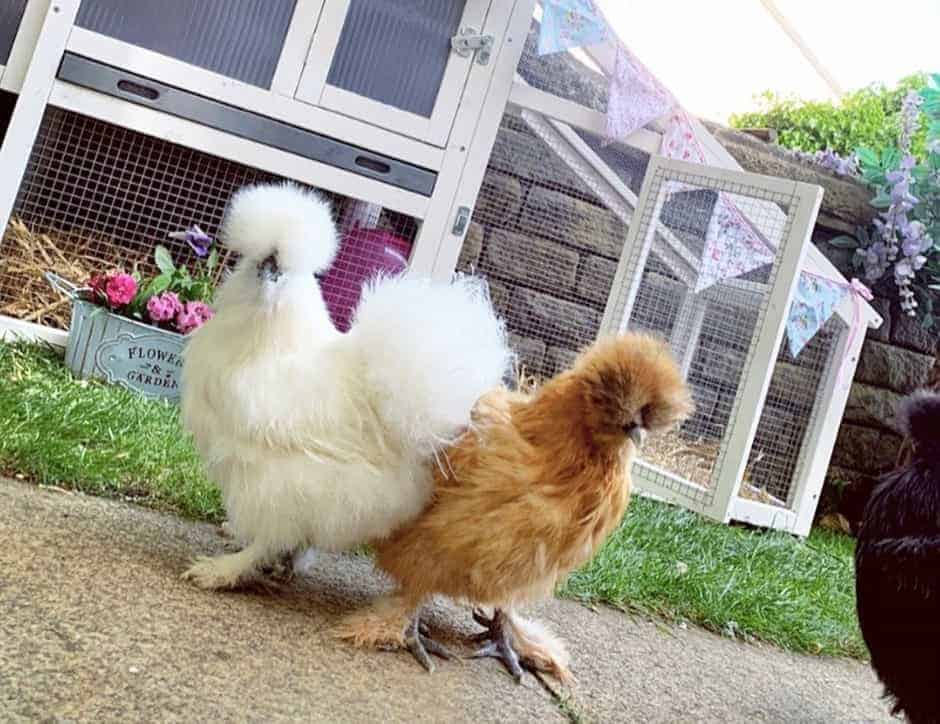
(897, 569)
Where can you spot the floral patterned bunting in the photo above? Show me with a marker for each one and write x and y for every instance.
(570, 24)
(635, 97)
(814, 302)
(732, 248)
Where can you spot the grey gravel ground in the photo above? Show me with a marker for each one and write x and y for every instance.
(95, 625)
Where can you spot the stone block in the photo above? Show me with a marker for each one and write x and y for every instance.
(898, 369)
(865, 449)
(530, 352)
(872, 406)
(572, 221)
(909, 332)
(472, 246)
(793, 386)
(596, 278)
(520, 154)
(500, 199)
(558, 321)
(500, 295)
(856, 448)
(559, 359)
(530, 260)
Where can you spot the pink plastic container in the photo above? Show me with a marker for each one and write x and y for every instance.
(363, 254)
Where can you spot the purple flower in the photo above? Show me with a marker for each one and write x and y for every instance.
(192, 316)
(911, 246)
(199, 241)
(164, 307)
(875, 260)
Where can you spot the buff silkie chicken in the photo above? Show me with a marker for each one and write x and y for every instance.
(526, 495)
(318, 438)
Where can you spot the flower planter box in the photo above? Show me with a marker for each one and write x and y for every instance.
(139, 357)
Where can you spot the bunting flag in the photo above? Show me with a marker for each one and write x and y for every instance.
(568, 24)
(732, 248)
(814, 302)
(679, 140)
(635, 97)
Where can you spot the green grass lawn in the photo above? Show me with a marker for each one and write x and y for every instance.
(662, 560)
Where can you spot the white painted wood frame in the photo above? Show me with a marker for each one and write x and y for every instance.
(755, 379)
(11, 75)
(483, 103)
(435, 129)
(235, 93)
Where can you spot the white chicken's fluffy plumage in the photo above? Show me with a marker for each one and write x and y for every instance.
(318, 438)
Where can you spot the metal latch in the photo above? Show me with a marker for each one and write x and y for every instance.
(469, 41)
(460, 223)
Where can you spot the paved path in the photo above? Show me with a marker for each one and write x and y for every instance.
(95, 625)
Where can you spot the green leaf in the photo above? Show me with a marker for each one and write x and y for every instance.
(868, 157)
(844, 241)
(212, 261)
(163, 259)
(881, 201)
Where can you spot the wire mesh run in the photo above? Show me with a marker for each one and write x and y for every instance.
(548, 246)
(96, 196)
(679, 285)
(792, 408)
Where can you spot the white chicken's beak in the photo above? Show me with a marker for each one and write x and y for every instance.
(638, 435)
(268, 270)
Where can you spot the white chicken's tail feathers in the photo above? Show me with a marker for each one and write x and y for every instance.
(431, 350)
(284, 219)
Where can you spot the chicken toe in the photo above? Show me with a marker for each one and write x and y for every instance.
(498, 642)
(420, 644)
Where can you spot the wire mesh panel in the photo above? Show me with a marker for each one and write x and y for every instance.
(700, 271)
(794, 405)
(97, 196)
(548, 245)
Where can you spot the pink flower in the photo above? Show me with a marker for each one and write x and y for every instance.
(164, 307)
(120, 289)
(193, 316)
(97, 284)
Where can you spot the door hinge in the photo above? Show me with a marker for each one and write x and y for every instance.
(469, 41)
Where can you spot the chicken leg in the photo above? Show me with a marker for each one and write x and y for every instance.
(420, 644)
(498, 641)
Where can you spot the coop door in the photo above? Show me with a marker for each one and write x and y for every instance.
(710, 264)
(391, 62)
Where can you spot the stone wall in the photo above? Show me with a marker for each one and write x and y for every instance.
(547, 246)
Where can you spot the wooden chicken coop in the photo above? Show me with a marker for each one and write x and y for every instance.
(444, 139)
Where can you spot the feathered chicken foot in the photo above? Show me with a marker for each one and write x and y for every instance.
(499, 641)
(419, 642)
(392, 622)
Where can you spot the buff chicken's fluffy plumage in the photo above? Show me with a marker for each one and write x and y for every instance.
(528, 494)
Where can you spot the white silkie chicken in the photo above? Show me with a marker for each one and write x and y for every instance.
(315, 437)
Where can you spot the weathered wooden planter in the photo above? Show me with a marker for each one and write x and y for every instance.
(121, 351)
